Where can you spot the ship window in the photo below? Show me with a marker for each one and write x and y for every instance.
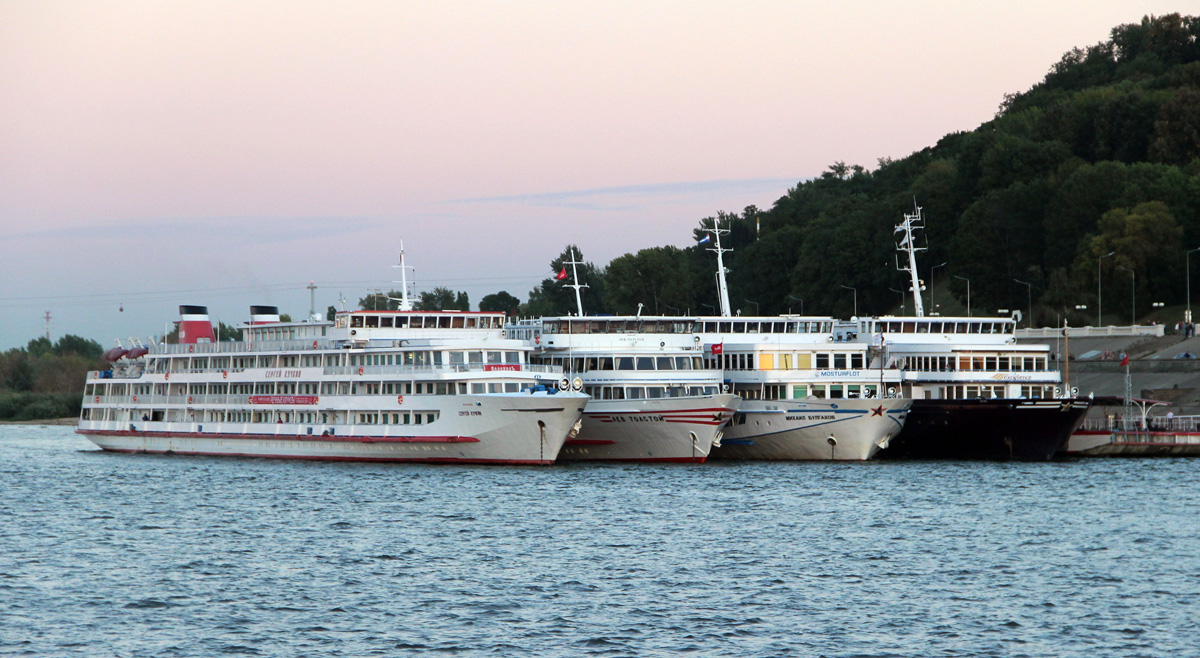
(665, 363)
(477, 388)
(725, 327)
(654, 392)
(818, 391)
(839, 361)
(835, 391)
(853, 391)
(683, 363)
(512, 357)
(475, 358)
(822, 362)
(457, 358)
(512, 387)
(636, 392)
(856, 361)
(444, 322)
(456, 322)
(495, 387)
(625, 363)
(606, 363)
(990, 363)
(356, 321)
(372, 321)
(645, 363)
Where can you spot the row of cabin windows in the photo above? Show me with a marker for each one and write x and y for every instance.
(361, 321)
(942, 327)
(801, 391)
(971, 391)
(587, 364)
(307, 332)
(397, 418)
(646, 392)
(626, 326)
(207, 364)
(983, 363)
(789, 361)
(765, 327)
(653, 326)
(306, 388)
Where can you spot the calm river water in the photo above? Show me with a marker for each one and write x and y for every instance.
(134, 555)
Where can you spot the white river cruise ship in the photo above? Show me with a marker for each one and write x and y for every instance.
(652, 397)
(419, 386)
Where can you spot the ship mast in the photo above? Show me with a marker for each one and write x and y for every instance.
(911, 223)
(722, 289)
(405, 302)
(575, 277)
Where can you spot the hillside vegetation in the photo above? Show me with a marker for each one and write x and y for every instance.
(1102, 156)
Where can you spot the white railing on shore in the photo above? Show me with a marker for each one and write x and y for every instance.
(1093, 332)
(1152, 424)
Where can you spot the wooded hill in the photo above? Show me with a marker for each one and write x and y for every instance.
(1101, 156)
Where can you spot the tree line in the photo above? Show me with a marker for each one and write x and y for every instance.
(1088, 180)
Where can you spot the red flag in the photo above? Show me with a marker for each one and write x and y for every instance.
(1124, 359)
(718, 348)
(561, 275)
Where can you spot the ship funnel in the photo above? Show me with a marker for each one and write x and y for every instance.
(194, 325)
(264, 314)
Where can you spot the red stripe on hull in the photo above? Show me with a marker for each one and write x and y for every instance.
(430, 460)
(285, 437)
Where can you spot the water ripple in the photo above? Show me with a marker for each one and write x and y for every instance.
(104, 554)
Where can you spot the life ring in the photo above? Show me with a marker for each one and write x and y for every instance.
(135, 398)
(191, 348)
(166, 375)
(97, 399)
(537, 340)
(224, 374)
(399, 399)
(189, 399)
(314, 344)
(360, 370)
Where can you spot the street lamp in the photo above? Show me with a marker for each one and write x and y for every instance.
(1029, 289)
(714, 308)
(1100, 290)
(1188, 269)
(855, 298)
(755, 305)
(968, 292)
(902, 296)
(1133, 294)
(799, 300)
(931, 283)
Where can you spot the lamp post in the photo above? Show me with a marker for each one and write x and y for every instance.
(902, 295)
(855, 298)
(931, 271)
(1188, 269)
(755, 305)
(968, 292)
(714, 308)
(1100, 290)
(1028, 289)
(1133, 294)
(799, 300)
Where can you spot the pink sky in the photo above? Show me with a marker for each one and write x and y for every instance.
(226, 153)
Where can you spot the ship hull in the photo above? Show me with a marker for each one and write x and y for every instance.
(988, 429)
(650, 430)
(518, 429)
(813, 430)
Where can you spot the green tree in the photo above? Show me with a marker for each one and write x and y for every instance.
(499, 302)
(442, 299)
(659, 278)
(82, 347)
